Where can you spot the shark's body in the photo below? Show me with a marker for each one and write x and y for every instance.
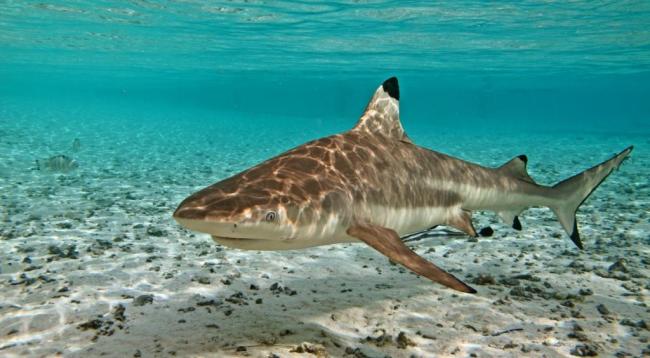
(373, 184)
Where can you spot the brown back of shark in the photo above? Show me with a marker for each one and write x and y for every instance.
(373, 184)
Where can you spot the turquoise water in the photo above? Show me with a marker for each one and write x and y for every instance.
(259, 77)
(168, 97)
(549, 66)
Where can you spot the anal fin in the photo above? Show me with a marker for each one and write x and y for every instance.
(388, 242)
(511, 218)
(463, 222)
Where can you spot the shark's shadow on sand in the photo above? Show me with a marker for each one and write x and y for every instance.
(282, 321)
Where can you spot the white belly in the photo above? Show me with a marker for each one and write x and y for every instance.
(410, 220)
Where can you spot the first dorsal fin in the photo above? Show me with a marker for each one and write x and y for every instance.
(516, 167)
(382, 112)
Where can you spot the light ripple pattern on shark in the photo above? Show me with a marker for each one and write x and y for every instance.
(373, 184)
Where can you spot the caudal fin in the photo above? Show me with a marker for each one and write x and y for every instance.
(574, 191)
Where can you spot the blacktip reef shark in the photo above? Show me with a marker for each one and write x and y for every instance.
(373, 184)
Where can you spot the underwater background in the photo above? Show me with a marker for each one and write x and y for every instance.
(155, 100)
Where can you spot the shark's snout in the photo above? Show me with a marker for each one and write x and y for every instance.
(194, 215)
(189, 213)
(191, 208)
(225, 225)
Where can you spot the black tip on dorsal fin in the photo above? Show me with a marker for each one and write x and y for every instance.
(516, 224)
(517, 167)
(391, 86)
(575, 235)
(381, 115)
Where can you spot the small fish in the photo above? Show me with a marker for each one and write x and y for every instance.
(76, 145)
(57, 163)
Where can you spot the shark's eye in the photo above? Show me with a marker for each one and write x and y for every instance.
(270, 216)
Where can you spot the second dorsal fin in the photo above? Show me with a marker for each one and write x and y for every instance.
(516, 167)
(382, 112)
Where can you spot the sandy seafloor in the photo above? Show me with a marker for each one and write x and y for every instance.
(92, 264)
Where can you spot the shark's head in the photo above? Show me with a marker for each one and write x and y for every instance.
(238, 212)
(279, 204)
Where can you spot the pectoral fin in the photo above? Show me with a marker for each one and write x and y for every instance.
(388, 242)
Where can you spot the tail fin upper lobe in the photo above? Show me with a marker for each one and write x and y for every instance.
(575, 190)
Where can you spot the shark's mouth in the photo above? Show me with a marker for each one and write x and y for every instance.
(225, 238)
(247, 239)
(230, 232)
(250, 244)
